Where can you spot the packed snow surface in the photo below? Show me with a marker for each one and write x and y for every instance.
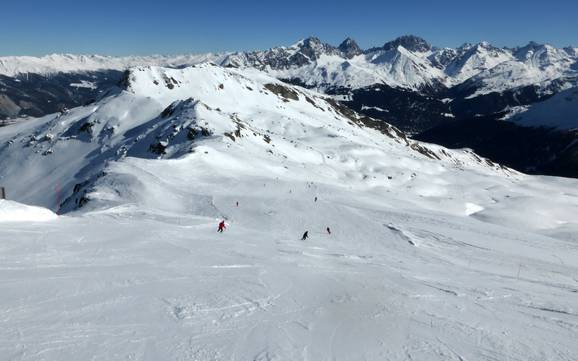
(15, 212)
(433, 254)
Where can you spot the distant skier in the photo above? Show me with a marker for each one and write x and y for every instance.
(315, 199)
(328, 231)
(221, 227)
(237, 203)
(305, 235)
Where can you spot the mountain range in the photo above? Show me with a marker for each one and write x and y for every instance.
(426, 91)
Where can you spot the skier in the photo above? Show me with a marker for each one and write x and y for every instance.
(221, 227)
(315, 199)
(237, 203)
(328, 231)
(305, 235)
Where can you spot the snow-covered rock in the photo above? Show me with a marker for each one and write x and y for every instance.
(409, 42)
(349, 48)
(409, 62)
(322, 66)
(534, 64)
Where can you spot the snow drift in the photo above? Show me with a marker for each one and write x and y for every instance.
(15, 212)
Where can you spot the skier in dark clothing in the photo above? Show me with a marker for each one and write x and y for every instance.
(328, 231)
(305, 235)
(221, 227)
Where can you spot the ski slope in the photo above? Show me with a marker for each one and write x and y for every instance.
(433, 254)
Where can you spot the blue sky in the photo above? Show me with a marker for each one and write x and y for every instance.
(124, 27)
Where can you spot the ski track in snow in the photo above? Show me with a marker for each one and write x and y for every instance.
(428, 259)
(96, 287)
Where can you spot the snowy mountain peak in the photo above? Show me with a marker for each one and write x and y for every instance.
(534, 44)
(546, 59)
(312, 42)
(470, 60)
(409, 42)
(313, 48)
(485, 45)
(349, 48)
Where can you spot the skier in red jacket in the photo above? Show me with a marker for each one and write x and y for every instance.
(221, 227)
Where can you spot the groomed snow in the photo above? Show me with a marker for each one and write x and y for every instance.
(428, 259)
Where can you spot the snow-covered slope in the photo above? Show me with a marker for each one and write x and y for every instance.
(432, 254)
(168, 112)
(558, 112)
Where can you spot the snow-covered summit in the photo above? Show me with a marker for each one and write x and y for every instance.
(410, 42)
(349, 48)
(540, 65)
